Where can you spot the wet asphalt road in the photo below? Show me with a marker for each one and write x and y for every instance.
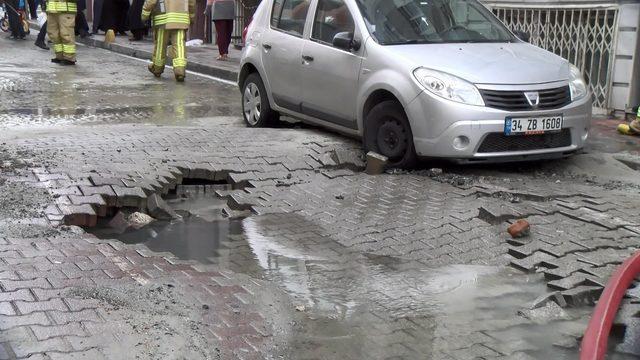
(331, 303)
(103, 88)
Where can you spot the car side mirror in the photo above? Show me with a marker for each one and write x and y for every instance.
(522, 35)
(345, 41)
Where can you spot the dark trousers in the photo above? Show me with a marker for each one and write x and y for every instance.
(42, 33)
(33, 6)
(82, 27)
(224, 30)
(14, 23)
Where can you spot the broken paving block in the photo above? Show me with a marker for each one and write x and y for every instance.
(159, 209)
(555, 296)
(80, 215)
(531, 263)
(582, 295)
(376, 163)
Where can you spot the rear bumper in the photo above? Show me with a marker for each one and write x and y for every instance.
(438, 125)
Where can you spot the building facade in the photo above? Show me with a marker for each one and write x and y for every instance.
(601, 38)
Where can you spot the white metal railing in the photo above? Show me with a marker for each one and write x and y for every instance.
(586, 36)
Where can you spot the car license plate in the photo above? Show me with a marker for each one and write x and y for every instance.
(533, 125)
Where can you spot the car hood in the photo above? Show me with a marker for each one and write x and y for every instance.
(488, 63)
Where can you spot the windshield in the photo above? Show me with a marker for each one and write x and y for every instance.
(431, 21)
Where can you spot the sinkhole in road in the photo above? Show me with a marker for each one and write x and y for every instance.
(197, 235)
(339, 301)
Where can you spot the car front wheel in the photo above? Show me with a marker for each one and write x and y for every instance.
(387, 132)
(255, 104)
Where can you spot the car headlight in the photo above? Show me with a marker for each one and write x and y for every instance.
(448, 86)
(576, 83)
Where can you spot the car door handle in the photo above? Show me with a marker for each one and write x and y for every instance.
(266, 46)
(307, 58)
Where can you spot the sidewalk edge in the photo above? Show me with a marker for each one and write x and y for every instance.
(146, 55)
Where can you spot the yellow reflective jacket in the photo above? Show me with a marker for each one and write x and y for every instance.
(173, 14)
(62, 6)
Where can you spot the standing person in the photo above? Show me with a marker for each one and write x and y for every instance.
(15, 25)
(170, 19)
(113, 17)
(61, 19)
(82, 27)
(223, 13)
(136, 25)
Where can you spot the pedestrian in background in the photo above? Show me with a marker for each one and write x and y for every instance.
(33, 9)
(15, 25)
(223, 13)
(136, 25)
(113, 18)
(82, 27)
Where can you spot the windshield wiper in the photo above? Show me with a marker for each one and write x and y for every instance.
(409, 42)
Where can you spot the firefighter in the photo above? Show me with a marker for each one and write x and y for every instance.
(633, 128)
(61, 22)
(170, 21)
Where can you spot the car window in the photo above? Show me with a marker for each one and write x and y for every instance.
(290, 15)
(332, 17)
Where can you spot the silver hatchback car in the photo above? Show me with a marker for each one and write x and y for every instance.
(413, 78)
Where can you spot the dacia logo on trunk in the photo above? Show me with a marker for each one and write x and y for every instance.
(533, 97)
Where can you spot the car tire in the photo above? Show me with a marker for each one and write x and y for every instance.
(387, 132)
(256, 109)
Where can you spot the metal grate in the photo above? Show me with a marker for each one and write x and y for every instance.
(516, 101)
(584, 36)
(499, 142)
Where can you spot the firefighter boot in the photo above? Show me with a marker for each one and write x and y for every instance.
(157, 72)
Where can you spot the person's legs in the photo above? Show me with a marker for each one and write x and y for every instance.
(158, 59)
(40, 39)
(67, 37)
(33, 5)
(82, 26)
(220, 29)
(229, 33)
(179, 51)
(54, 35)
(14, 22)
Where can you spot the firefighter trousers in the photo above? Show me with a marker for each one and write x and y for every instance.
(177, 50)
(60, 28)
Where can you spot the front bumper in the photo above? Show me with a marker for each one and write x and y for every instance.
(436, 123)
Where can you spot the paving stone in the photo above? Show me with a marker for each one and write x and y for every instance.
(129, 197)
(582, 295)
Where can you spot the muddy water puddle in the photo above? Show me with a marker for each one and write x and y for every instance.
(359, 305)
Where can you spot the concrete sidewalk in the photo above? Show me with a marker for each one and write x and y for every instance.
(201, 59)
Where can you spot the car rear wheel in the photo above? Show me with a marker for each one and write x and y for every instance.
(255, 104)
(387, 132)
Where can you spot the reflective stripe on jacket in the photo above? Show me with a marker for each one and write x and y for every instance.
(172, 14)
(61, 6)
